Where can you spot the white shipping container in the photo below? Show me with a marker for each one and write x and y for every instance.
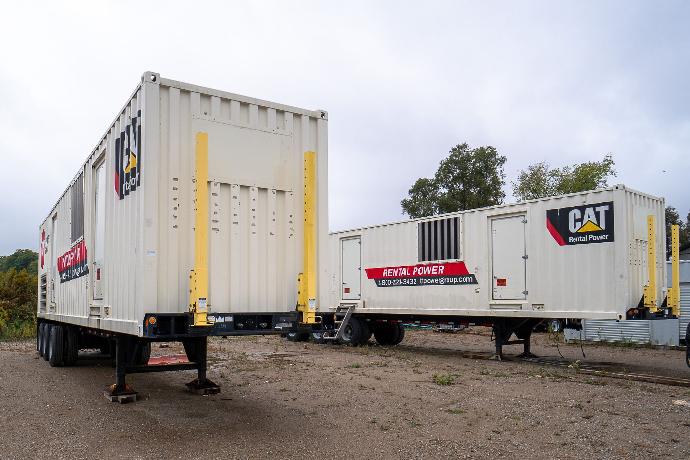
(577, 256)
(119, 243)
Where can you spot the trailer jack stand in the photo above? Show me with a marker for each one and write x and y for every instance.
(122, 394)
(503, 329)
(120, 391)
(203, 387)
(526, 338)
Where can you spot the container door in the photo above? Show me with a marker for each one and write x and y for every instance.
(508, 258)
(99, 231)
(351, 269)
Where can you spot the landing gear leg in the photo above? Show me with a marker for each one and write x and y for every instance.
(201, 384)
(524, 333)
(526, 353)
(501, 335)
(120, 391)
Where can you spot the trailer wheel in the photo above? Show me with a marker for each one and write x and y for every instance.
(71, 346)
(355, 331)
(366, 333)
(57, 345)
(400, 334)
(387, 334)
(39, 338)
(46, 340)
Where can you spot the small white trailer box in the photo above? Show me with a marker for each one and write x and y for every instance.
(190, 212)
(577, 256)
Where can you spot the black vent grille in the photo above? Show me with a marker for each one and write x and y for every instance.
(439, 239)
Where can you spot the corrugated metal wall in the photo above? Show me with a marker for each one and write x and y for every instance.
(684, 295)
(594, 281)
(66, 297)
(684, 309)
(639, 206)
(641, 331)
(255, 199)
(256, 153)
(617, 331)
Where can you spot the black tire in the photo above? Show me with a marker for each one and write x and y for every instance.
(46, 340)
(39, 338)
(386, 333)
(366, 333)
(57, 346)
(143, 353)
(400, 334)
(389, 334)
(71, 346)
(354, 332)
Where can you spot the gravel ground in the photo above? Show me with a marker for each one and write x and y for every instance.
(297, 400)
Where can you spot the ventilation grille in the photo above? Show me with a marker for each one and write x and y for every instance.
(77, 208)
(439, 239)
(43, 293)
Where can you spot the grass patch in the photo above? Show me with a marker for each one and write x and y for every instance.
(596, 382)
(455, 411)
(444, 379)
(494, 374)
(354, 366)
(18, 330)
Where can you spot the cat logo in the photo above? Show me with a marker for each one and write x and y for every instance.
(581, 224)
(128, 158)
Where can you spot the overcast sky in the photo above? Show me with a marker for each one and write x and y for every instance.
(562, 82)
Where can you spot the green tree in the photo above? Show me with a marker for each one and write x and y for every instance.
(539, 180)
(673, 218)
(466, 179)
(18, 299)
(21, 259)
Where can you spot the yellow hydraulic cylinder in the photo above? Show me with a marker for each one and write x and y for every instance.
(306, 298)
(198, 286)
(674, 291)
(650, 298)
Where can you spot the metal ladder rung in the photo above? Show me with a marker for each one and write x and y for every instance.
(342, 324)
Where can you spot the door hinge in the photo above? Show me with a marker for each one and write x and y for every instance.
(525, 257)
(525, 292)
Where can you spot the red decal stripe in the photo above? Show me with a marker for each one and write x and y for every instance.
(413, 271)
(554, 233)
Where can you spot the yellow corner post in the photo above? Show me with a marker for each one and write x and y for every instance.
(198, 286)
(306, 299)
(650, 300)
(674, 291)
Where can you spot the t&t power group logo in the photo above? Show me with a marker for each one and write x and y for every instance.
(591, 223)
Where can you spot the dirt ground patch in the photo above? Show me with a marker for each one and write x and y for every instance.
(296, 400)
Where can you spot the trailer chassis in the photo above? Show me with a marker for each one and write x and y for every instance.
(131, 353)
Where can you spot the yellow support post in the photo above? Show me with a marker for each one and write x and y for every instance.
(198, 286)
(650, 299)
(674, 291)
(306, 298)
